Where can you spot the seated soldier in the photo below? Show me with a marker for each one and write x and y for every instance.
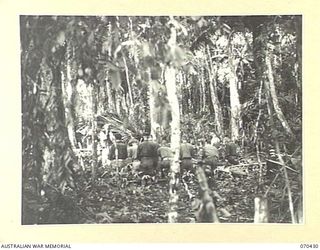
(186, 155)
(165, 156)
(231, 151)
(147, 153)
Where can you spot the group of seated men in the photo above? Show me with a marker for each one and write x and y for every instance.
(151, 158)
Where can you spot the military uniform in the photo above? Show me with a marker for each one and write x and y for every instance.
(122, 154)
(186, 155)
(165, 156)
(147, 153)
(210, 155)
(231, 153)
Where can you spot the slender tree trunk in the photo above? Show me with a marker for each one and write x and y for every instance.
(276, 143)
(64, 158)
(170, 79)
(94, 135)
(67, 92)
(298, 28)
(261, 211)
(175, 143)
(214, 96)
(111, 106)
(189, 100)
(299, 211)
(181, 81)
(153, 124)
(234, 98)
(291, 208)
(126, 106)
(270, 86)
(131, 103)
(101, 99)
(118, 103)
(255, 137)
(203, 91)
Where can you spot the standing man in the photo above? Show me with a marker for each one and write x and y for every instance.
(186, 155)
(148, 155)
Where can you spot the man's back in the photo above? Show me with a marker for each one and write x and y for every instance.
(122, 151)
(148, 149)
(210, 151)
(165, 152)
(231, 149)
(186, 150)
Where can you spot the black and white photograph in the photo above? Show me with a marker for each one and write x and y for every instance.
(161, 119)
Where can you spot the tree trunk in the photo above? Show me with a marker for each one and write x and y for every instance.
(255, 136)
(110, 101)
(203, 91)
(118, 103)
(214, 96)
(94, 135)
(270, 86)
(298, 28)
(131, 103)
(276, 143)
(299, 211)
(261, 212)
(64, 158)
(170, 80)
(152, 92)
(101, 95)
(67, 91)
(234, 98)
(286, 177)
(170, 75)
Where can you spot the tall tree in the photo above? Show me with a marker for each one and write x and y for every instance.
(270, 87)
(170, 79)
(235, 107)
(212, 70)
(68, 82)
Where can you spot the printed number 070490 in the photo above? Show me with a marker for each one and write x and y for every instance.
(309, 245)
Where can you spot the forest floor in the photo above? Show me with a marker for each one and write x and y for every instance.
(149, 204)
(124, 198)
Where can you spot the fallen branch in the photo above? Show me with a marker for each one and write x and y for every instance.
(293, 219)
(283, 164)
(274, 179)
(247, 164)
